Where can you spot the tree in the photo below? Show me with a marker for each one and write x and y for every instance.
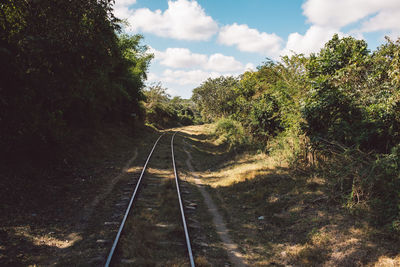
(215, 98)
(66, 69)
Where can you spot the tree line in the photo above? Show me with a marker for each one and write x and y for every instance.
(164, 111)
(337, 111)
(65, 67)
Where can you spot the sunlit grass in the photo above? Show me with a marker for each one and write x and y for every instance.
(282, 217)
(247, 168)
(159, 172)
(134, 169)
(385, 261)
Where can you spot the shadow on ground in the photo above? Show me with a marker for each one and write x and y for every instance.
(280, 217)
(42, 207)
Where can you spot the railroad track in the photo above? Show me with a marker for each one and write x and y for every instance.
(153, 230)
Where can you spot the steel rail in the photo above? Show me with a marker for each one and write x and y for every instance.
(110, 255)
(189, 247)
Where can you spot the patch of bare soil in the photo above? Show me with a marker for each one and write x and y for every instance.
(280, 217)
(234, 255)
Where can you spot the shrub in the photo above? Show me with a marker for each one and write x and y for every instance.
(231, 132)
(265, 118)
(364, 180)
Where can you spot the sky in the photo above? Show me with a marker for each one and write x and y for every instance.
(194, 40)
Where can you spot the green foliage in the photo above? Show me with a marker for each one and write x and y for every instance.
(384, 186)
(185, 111)
(330, 113)
(364, 182)
(354, 101)
(163, 111)
(264, 119)
(64, 68)
(337, 54)
(337, 111)
(231, 132)
(215, 98)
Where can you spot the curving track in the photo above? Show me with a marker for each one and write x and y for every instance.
(139, 192)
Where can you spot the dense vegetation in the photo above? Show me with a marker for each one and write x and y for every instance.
(336, 112)
(164, 111)
(65, 69)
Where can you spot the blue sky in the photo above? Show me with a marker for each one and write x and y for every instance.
(193, 40)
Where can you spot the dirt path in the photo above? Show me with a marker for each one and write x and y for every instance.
(232, 249)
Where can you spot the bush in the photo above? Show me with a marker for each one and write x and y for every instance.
(336, 111)
(265, 118)
(363, 180)
(231, 132)
(384, 184)
(331, 114)
(162, 111)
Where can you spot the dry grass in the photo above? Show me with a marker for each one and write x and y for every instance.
(280, 217)
(244, 168)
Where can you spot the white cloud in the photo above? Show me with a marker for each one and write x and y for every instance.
(181, 82)
(122, 8)
(339, 13)
(335, 13)
(187, 20)
(219, 62)
(384, 20)
(192, 77)
(249, 67)
(183, 20)
(250, 40)
(184, 58)
(180, 58)
(329, 16)
(312, 41)
(152, 77)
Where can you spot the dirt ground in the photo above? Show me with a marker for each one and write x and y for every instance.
(276, 216)
(59, 219)
(280, 217)
(70, 218)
